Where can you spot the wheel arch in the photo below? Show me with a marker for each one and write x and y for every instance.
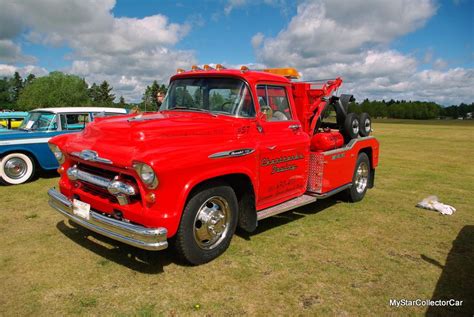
(370, 153)
(244, 190)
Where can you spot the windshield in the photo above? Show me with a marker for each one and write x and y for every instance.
(39, 121)
(216, 95)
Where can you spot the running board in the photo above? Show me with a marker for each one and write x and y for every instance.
(332, 192)
(298, 202)
(287, 205)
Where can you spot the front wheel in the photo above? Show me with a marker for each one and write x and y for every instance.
(16, 168)
(360, 179)
(207, 225)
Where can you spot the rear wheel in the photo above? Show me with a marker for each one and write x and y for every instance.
(351, 126)
(360, 179)
(207, 225)
(16, 168)
(365, 124)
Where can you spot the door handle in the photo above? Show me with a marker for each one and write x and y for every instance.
(294, 127)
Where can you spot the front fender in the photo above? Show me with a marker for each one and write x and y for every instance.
(176, 185)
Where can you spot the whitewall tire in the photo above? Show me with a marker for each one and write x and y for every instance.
(16, 168)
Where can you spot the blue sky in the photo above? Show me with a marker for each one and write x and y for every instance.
(418, 49)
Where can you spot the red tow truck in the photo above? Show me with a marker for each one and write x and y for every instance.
(228, 148)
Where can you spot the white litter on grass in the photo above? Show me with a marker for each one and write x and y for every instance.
(432, 203)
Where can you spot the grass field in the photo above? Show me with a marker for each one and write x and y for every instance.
(328, 258)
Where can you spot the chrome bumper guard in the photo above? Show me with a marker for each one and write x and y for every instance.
(137, 236)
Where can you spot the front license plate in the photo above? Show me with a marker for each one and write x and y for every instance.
(81, 209)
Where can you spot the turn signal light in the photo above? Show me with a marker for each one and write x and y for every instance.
(150, 197)
(61, 170)
(207, 67)
(219, 67)
(244, 69)
(180, 70)
(195, 68)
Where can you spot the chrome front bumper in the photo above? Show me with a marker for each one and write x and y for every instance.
(137, 236)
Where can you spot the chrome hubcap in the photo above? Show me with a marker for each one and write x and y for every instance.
(15, 168)
(367, 125)
(362, 177)
(212, 222)
(355, 127)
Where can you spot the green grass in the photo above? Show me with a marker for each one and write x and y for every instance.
(328, 258)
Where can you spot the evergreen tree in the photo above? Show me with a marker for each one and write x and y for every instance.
(93, 93)
(121, 103)
(5, 94)
(163, 89)
(104, 94)
(29, 79)
(154, 89)
(16, 86)
(147, 99)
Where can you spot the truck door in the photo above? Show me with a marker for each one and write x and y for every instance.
(283, 148)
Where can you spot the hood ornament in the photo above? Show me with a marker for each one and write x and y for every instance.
(91, 156)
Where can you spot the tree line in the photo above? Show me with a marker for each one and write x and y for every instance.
(63, 90)
(418, 110)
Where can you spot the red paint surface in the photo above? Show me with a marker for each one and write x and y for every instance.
(177, 145)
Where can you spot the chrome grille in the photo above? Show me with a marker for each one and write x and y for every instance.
(98, 181)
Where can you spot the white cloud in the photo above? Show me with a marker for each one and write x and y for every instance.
(8, 70)
(232, 4)
(440, 64)
(330, 38)
(257, 40)
(104, 47)
(11, 53)
(337, 30)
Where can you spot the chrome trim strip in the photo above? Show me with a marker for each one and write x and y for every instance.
(330, 193)
(349, 145)
(91, 156)
(114, 186)
(25, 141)
(286, 206)
(232, 153)
(73, 173)
(134, 235)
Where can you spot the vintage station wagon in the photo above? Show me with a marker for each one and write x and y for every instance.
(25, 150)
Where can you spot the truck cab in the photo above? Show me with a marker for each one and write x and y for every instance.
(228, 148)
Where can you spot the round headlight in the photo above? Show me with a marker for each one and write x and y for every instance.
(57, 152)
(146, 174)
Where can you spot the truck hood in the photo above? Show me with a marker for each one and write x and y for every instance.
(154, 137)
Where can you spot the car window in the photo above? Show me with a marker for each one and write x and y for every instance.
(74, 121)
(227, 96)
(273, 102)
(39, 121)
